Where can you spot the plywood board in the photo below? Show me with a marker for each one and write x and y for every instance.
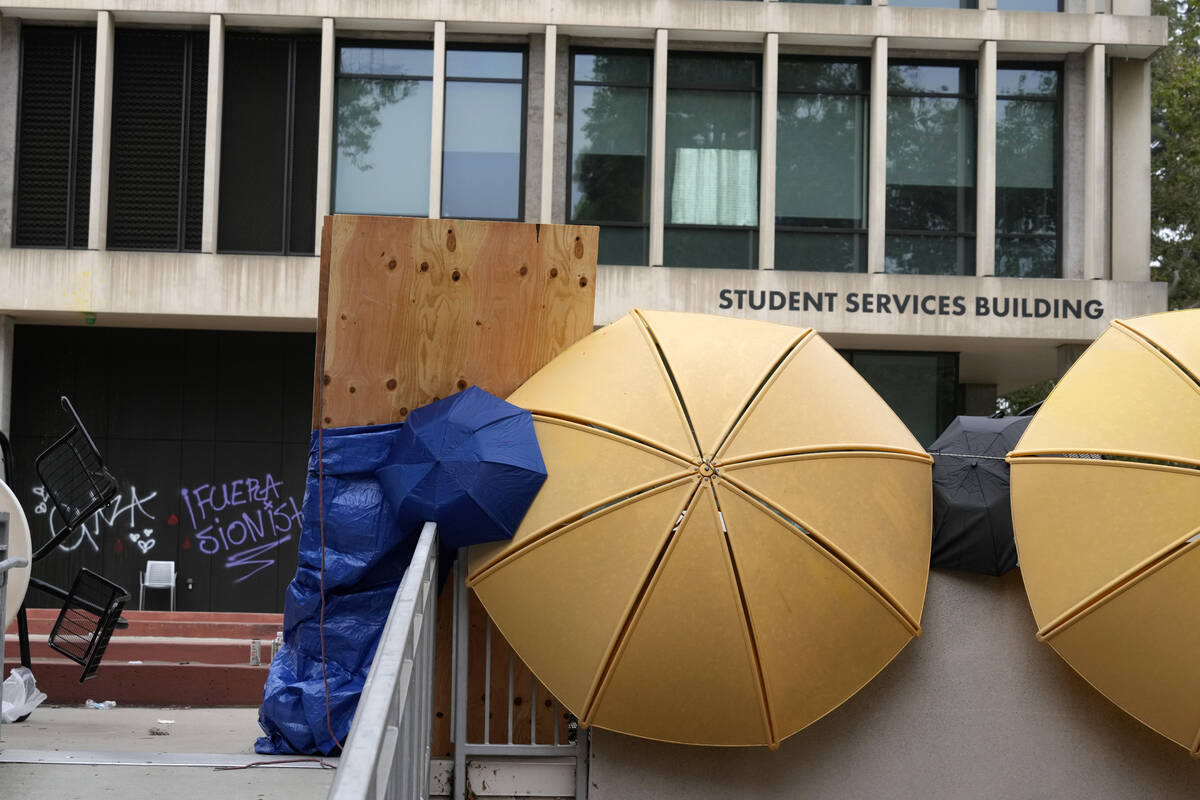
(413, 310)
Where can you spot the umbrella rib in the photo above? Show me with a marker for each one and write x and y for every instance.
(835, 554)
(1118, 585)
(1160, 350)
(1129, 457)
(827, 450)
(768, 712)
(670, 375)
(561, 524)
(621, 639)
(758, 392)
(621, 433)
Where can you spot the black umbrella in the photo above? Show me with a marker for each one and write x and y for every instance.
(972, 518)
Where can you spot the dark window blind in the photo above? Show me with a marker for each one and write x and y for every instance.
(54, 137)
(269, 144)
(156, 176)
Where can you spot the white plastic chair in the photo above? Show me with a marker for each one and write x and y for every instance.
(158, 575)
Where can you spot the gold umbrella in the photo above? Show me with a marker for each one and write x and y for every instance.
(19, 546)
(1108, 541)
(733, 537)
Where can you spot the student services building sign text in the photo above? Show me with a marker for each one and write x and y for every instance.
(979, 305)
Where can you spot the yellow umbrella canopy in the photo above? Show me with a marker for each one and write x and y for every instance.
(1106, 512)
(19, 546)
(733, 537)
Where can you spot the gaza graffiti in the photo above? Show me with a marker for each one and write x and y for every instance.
(127, 512)
(243, 519)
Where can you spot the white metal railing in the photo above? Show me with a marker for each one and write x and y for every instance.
(510, 743)
(387, 753)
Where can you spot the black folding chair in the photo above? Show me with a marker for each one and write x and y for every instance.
(78, 485)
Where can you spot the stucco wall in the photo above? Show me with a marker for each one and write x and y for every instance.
(975, 708)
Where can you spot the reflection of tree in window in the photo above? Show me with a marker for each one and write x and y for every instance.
(610, 142)
(359, 104)
(1027, 145)
(930, 169)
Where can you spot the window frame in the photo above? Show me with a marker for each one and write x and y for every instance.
(490, 47)
(756, 88)
(1059, 156)
(379, 44)
(960, 95)
(859, 232)
(647, 180)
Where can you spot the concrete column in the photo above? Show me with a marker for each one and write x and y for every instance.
(1131, 170)
(212, 133)
(877, 157)
(10, 68)
(1074, 94)
(658, 149)
(559, 201)
(767, 170)
(1094, 167)
(439, 117)
(7, 333)
(101, 128)
(325, 124)
(548, 94)
(985, 164)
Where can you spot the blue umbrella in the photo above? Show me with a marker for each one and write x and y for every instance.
(471, 463)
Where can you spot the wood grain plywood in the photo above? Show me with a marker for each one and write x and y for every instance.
(413, 310)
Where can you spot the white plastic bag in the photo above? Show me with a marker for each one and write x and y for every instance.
(20, 695)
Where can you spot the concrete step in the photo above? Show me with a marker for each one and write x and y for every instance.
(175, 623)
(151, 683)
(169, 649)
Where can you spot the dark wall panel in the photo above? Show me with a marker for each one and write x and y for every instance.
(156, 177)
(54, 137)
(207, 433)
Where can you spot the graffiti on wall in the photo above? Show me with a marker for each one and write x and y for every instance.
(128, 515)
(243, 521)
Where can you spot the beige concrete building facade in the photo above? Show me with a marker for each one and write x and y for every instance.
(957, 195)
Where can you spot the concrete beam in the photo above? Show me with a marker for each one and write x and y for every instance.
(1094, 168)
(212, 133)
(877, 157)
(658, 149)
(436, 131)
(985, 161)
(548, 108)
(101, 130)
(768, 153)
(325, 124)
(826, 24)
(1130, 170)
(10, 68)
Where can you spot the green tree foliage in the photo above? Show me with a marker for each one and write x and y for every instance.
(1175, 153)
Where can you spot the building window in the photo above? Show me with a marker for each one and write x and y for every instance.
(1028, 144)
(920, 387)
(54, 137)
(269, 123)
(930, 221)
(935, 3)
(820, 172)
(713, 120)
(156, 174)
(484, 134)
(610, 145)
(1029, 5)
(384, 127)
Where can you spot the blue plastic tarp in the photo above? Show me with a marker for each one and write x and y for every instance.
(368, 545)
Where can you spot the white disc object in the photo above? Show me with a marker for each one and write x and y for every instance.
(19, 546)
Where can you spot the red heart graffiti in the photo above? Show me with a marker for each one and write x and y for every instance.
(187, 543)
(172, 520)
